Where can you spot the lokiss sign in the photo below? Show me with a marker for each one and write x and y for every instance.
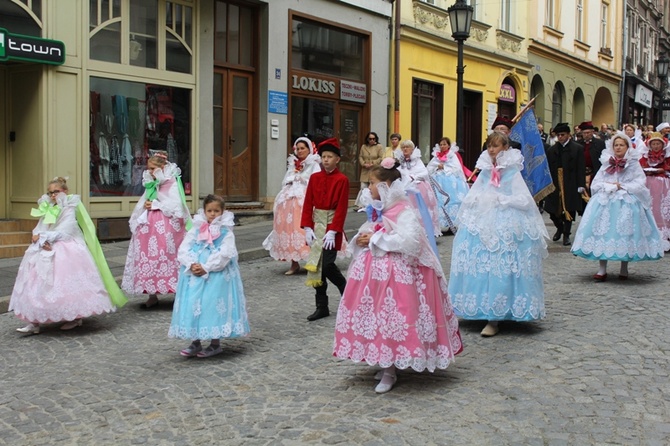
(30, 49)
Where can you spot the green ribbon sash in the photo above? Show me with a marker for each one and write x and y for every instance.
(50, 212)
(151, 190)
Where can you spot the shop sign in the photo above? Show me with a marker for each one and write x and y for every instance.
(307, 83)
(353, 91)
(665, 104)
(643, 95)
(507, 93)
(30, 49)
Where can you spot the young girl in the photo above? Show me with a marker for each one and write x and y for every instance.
(59, 279)
(496, 261)
(395, 310)
(618, 223)
(157, 226)
(209, 303)
(655, 162)
(287, 239)
(446, 171)
(415, 179)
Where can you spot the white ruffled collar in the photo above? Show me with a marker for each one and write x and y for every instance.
(452, 150)
(169, 171)
(62, 200)
(416, 155)
(506, 158)
(226, 219)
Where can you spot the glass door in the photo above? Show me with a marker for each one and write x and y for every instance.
(350, 142)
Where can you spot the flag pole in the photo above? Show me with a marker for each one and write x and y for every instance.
(523, 110)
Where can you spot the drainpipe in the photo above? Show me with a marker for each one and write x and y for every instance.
(396, 70)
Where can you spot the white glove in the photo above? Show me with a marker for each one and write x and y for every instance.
(309, 236)
(581, 190)
(329, 240)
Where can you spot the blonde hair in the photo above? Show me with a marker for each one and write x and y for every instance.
(60, 181)
(158, 158)
(497, 137)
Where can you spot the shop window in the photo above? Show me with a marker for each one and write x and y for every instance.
(22, 17)
(426, 116)
(313, 116)
(128, 122)
(130, 32)
(336, 52)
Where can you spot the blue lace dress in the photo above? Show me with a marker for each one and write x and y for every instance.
(496, 262)
(211, 306)
(447, 172)
(618, 224)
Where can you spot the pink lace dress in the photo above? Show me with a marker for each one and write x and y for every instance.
(62, 284)
(395, 309)
(287, 239)
(151, 265)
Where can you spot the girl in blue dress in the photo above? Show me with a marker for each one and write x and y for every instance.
(618, 223)
(496, 262)
(446, 171)
(209, 303)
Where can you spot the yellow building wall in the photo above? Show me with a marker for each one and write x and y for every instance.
(437, 63)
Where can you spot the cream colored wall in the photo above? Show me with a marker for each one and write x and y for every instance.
(4, 140)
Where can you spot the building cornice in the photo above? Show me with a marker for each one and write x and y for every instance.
(557, 55)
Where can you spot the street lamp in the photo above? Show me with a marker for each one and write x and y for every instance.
(460, 17)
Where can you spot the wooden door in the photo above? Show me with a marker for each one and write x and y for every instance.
(233, 135)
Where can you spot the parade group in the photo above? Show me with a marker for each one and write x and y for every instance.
(398, 308)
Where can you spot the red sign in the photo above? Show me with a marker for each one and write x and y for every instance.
(507, 93)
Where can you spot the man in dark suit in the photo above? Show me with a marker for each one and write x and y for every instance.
(504, 125)
(593, 147)
(566, 164)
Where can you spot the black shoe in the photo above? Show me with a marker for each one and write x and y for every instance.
(320, 312)
(557, 235)
(566, 240)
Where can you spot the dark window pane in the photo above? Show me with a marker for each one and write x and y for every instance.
(233, 34)
(221, 28)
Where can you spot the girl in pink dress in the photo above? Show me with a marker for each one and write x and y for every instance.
(158, 224)
(58, 279)
(287, 239)
(395, 310)
(655, 162)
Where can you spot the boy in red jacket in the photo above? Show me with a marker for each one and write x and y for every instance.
(323, 214)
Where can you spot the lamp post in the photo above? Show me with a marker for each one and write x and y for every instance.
(662, 71)
(460, 17)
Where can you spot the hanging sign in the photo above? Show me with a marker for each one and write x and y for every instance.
(643, 95)
(507, 93)
(30, 49)
(353, 91)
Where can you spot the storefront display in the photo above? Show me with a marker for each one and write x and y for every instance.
(129, 121)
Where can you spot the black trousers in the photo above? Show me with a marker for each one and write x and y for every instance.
(329, 271)
(561, 223)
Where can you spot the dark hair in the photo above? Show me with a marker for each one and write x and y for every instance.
(386, 175)
(373, 134)
(211, 198)
(497, 137)
(444, 138)
(395, 135)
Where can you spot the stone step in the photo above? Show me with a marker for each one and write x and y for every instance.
(245, 217)
(17, 225)
(15, 238)
(11, 251)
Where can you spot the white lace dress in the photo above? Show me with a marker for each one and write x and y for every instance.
(618, 224)
(62, 284)
(496, 262)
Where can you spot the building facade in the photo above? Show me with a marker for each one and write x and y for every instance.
(223, 87)
(495, 76)
(575, 50)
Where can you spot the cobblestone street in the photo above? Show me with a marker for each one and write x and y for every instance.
(595, 371)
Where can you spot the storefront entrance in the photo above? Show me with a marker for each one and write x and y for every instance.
(233, 135)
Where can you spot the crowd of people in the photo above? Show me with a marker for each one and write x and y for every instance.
(398, 307)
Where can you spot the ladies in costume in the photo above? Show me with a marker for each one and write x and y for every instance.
(618, 223)
(395, 310)
(287, 239)
(59, 278)
(655, 162)
(158, 224)
(416, 178)
(446, 172)
(209, 303)
(496, 262)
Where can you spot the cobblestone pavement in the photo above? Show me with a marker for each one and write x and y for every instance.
(595, 371)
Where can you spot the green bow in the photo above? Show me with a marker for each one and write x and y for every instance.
(152, 190)
(48, 211)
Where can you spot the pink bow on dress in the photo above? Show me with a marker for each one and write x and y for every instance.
(616, 165)
(442, 156)
(495, 177)
(205, 234)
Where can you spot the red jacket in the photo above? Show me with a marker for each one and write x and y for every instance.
(329, 191)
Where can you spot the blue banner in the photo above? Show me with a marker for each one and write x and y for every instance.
(535, 171)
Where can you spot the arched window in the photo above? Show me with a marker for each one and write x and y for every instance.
(557, 100)
(22, 17)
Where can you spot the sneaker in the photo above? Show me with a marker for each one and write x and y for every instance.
(210, 351)
(191, 351)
